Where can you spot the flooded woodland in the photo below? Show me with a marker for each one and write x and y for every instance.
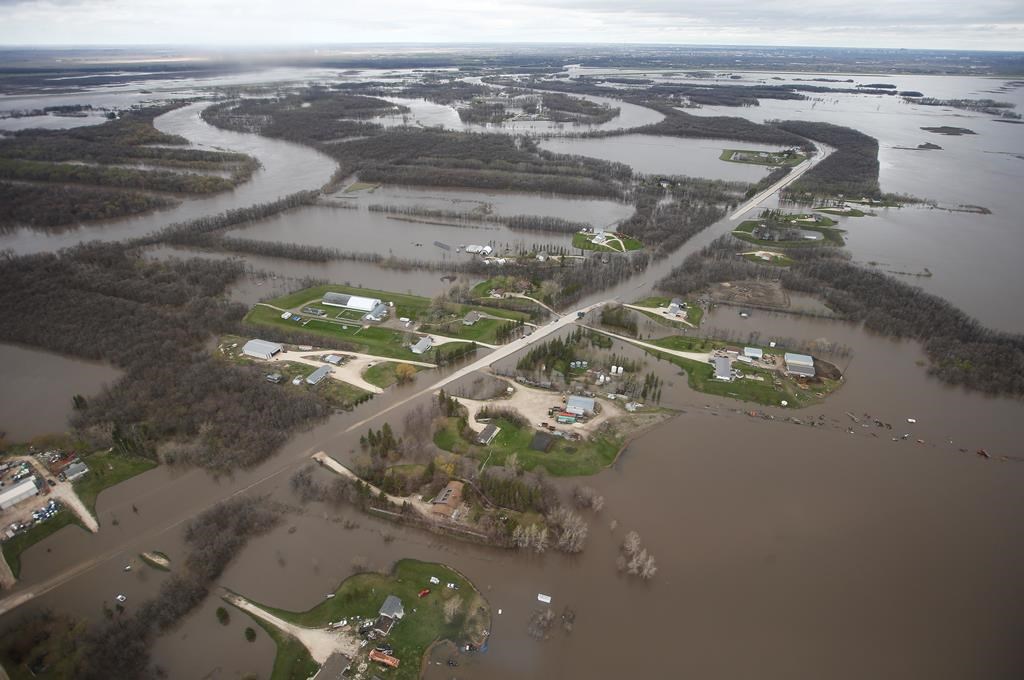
(818, 548)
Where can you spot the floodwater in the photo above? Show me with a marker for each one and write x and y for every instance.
(658, 155)
(287, 168)
(429, 114)
(783, 550)
(37, 387)
(358, 229)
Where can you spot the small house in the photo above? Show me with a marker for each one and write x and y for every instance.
(275, 378)
(392, 607)
(378, 313)
(487, 435)
(471, 318)
(422, 345)
(448, 501)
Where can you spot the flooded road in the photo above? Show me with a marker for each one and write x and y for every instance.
(782, 550)
(38, 386)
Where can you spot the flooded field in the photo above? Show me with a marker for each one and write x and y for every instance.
(362, 230)
(37, 387)
(429, 114)
(655, 155)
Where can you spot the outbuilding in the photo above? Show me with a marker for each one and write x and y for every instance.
(449, 500)
(317, 376)
(753, 352)
(75, 470)
(723, 369)
(378, 313)
(354, 302)
(17, 494)
(261, 349)
(333, 359)
(799, 365)
(471, 318)
(580, 406)
(392, 607)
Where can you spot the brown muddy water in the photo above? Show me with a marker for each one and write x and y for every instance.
(37, 388)
(349, 225)
(783, 550)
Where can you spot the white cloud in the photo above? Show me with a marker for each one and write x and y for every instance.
(979, 24)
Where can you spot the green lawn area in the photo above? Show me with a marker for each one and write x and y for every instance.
(363, 594)
(685, 343)
(383, 374)
(484, 330)
(583, 242)
(14, 547)
(292, 661)
(373, 340)
(694, 312)
(107, 468)
(772, 159)
(832, 236)
(339, 394)
(564, 458)
(412, 306)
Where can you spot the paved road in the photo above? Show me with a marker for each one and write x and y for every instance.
(694, 356)
(793, 176)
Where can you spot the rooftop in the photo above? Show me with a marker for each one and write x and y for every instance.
(580, 405)
(392, 607)
(262, 347)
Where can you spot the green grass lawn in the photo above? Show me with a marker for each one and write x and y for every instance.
(360, 186)
(373, 340)
(484, 330)
(107, 468)
(583, 242)
(694, 312)
(412, 306)
(772, 159)
(383, 374)
(564, 458)
(685, 343)
(14, 547)
(363, 594)
(832, 236)
(292, 661)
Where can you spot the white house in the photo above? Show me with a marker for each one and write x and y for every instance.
(422, 345)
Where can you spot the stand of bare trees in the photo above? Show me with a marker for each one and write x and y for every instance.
(634, 558)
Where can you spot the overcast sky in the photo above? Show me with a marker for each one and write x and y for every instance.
(942, 24)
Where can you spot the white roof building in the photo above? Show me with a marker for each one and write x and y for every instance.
(799, 364)
(753, 352)
(580, 406)
(261, 349)
(317, 376)
(17, 494)
(355, 302)
(422, 345)
(378, 313)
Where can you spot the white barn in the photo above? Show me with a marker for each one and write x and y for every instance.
(261, 349)
(799, 364)
(18, 493)
(354, 302)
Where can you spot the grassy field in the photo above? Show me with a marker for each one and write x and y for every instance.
(564, 459)
(292, 661)
(832, 236)
(338, 393)
(484, 330)
(106, 469)
(360, 186)
(772, 159)
(363, 594)
(583, 242)
(14, 547)
(412, 306)
(383, 374)
(374, 340)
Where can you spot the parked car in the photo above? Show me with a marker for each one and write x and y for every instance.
(424, 592)
(51, 482)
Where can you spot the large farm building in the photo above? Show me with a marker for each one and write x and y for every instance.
(353, 302)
